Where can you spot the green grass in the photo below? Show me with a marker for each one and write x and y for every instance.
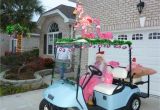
(9, 90)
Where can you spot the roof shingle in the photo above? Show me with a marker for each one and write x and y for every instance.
(66, 10)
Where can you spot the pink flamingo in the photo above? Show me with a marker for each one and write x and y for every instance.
(83, 21)
(78, 10)
(106, 35)
(86, 34)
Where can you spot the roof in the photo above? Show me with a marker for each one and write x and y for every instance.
(75, 1)
(66, 10)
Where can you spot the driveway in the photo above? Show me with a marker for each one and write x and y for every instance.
(31, 100)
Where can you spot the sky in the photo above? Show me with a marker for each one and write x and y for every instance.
(49, 4)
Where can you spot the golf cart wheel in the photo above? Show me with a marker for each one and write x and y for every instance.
(134, 103)
(45, 105)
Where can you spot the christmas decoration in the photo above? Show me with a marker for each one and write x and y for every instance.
(96, 41)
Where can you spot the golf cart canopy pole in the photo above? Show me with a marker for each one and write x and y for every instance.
(130, 63)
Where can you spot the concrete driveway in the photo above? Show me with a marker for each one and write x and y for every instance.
(31, 100)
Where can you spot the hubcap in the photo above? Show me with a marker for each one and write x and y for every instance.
(135, 104)
(45, 107)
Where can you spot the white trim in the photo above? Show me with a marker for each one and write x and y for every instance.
(137, 29)
(34, 34)
(50, 33)
(66, 19)
(57, 11)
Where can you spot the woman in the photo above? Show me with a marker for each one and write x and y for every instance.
(101, 65)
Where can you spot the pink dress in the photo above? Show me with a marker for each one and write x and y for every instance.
(88, 90)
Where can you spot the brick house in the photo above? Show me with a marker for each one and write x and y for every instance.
(53, 24)
(123, 19)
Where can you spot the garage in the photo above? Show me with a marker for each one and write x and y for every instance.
(146, 49)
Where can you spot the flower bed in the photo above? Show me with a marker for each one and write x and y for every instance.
(35, 83)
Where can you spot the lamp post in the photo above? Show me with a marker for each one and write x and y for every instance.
(140, 6)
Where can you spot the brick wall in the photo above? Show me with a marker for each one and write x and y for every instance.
(123, 14)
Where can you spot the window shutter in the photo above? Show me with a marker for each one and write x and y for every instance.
(45, 44)
(60, 35)
(50, 48)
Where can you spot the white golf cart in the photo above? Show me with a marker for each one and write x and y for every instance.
(120, 95)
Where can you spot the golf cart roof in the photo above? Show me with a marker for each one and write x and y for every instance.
(92, 41)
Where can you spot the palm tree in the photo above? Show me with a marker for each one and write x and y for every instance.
(19, 11)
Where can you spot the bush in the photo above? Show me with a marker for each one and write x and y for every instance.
(48, 62)
(17, 59)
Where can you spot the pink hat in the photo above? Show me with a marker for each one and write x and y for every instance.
(101, 53)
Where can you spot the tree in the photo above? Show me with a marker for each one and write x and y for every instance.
(19, 11)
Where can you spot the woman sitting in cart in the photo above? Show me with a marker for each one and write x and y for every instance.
(101, 64)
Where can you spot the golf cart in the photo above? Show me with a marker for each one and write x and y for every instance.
(120, 95)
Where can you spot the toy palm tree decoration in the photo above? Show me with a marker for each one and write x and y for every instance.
(19, 31)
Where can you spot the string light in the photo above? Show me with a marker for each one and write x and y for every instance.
(124, 47)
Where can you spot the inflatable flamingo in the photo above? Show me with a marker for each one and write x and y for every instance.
(83, 21)
(86, 34)
(78, 10)
(106, 35)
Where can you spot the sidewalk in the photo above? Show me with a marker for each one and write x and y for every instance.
(23, 101)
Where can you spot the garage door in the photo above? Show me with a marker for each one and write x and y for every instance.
(146, 49)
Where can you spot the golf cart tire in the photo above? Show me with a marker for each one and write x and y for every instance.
(44, 103)
(133, 100)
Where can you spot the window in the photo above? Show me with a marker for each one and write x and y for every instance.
(122, 37)
(50, 39)
(52, 35)
(154, 35)
(53, 27)
(137, 37)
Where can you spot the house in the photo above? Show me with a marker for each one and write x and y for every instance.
(54, 24)
(142, 27)
(120, 17)
(9, 43)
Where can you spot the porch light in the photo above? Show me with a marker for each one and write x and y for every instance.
(140, 6)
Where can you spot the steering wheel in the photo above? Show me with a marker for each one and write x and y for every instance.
(94, 70)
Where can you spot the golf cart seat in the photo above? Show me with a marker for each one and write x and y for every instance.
(135, 80)
(119, 73)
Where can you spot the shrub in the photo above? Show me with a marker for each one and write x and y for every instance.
(48, 62)
(36, 64)
(17, 59)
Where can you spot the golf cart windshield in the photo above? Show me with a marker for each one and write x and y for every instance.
(75, 47)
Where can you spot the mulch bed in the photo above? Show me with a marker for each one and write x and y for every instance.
(25, 74)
